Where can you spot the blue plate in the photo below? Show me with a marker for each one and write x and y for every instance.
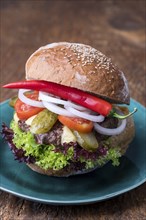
(101, 184)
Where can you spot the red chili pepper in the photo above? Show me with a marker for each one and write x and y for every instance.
(78, 96)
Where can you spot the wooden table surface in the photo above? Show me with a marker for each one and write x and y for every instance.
(117, 28)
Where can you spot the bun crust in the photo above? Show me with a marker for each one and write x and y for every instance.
(79, 66)
(122, 140)
(59, 173)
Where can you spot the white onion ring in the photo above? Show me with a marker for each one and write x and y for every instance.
(111, 131)
(28, 101)
(48, 98)
(85, 115)
(58, 110)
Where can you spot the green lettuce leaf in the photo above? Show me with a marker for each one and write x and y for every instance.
(46, 156)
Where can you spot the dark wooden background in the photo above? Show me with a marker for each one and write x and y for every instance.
(115, 27)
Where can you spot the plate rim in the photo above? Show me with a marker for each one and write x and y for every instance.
(79, 201)
(75, 202)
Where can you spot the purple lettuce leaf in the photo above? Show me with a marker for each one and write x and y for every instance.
(19, 154)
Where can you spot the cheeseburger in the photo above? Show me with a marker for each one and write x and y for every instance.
(68, 118)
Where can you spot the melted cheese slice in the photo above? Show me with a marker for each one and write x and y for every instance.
(28, 121)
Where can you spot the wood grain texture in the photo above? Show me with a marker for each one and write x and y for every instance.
(117, 28)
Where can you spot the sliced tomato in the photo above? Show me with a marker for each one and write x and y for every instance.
(25, 111)
(78, 124)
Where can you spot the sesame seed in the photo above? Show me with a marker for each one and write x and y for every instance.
(87, 55)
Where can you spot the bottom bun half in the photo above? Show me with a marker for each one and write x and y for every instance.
(60, 173)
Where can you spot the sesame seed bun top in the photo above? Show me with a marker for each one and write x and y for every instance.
(79, 66)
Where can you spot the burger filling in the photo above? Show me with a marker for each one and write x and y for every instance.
(56, 137)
